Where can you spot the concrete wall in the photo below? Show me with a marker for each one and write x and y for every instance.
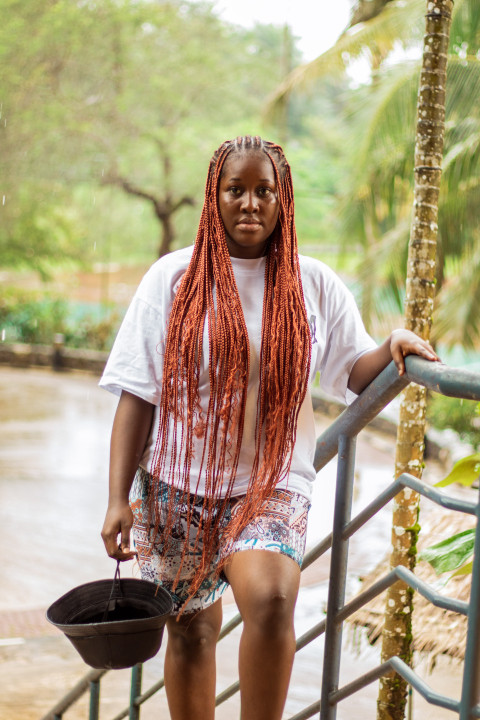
(55, 356)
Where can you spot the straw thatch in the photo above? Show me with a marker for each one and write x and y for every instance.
(435, 631)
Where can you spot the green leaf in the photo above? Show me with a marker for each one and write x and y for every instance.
(451, 553)
(465, 472)
(465, 570)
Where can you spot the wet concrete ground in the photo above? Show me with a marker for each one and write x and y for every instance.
(53, 458)
(54, 436)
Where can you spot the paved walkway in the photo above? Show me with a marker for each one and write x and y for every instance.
(25, 624)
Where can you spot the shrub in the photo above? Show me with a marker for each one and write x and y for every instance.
(462, 416)
(32, 317)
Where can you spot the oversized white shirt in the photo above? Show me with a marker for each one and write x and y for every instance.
(338, 339)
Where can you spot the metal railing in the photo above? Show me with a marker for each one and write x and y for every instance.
(340, 438)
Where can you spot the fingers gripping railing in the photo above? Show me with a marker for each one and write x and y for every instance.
(340, 437)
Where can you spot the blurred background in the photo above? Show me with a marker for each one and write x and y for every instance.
(109, 113)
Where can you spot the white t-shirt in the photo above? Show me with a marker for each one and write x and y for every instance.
(338, 340)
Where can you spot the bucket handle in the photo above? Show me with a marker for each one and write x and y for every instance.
(111, 604)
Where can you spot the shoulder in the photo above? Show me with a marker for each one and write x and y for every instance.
(163, 276)
(319, 277)
(172, 263)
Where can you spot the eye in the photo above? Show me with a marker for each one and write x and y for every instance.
(234, 190)
(265, 191)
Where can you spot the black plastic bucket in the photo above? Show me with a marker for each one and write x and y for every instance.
(115, 624)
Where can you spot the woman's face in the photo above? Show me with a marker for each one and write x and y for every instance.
(248, 203)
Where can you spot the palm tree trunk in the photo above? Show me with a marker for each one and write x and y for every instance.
(420, 291)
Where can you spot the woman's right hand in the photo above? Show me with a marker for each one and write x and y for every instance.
(131, 428)
(116, 532)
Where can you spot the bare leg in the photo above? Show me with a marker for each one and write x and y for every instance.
(265, 585)
(190, 673)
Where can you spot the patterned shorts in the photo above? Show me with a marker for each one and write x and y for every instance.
(281, 528)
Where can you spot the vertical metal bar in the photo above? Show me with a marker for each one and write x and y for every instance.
(135, 691)
(338, 573)
(94, 699)
(410, 703)
(471, 666)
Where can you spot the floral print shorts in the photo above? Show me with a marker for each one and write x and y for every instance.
(281, 528)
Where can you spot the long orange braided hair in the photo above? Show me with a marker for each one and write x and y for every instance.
(208, 292)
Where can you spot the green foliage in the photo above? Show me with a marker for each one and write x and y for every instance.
(25, 318)
(142, 90)
(464, 570)
(454, 552)
(32, 317)
(91, 332)
(37, 230)
(466, 471)
(450, 554)
(462, 416)
(374, 207)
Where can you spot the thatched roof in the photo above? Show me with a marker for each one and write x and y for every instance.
(435, 631)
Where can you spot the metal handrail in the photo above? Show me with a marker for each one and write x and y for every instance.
(93, 676)
(340, 437)
(454, 382)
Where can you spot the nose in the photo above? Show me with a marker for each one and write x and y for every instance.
(249, 202)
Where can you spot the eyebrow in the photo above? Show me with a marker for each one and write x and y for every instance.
(262, 180)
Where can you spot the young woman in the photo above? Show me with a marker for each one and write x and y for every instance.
(213, 439)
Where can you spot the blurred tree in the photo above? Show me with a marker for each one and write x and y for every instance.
(136, 95)
(374, 208)
(377, 28)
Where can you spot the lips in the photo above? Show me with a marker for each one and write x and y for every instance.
(248, 224)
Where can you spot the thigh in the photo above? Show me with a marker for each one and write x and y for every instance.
(263, 563)
(280, 526)
(263, 583)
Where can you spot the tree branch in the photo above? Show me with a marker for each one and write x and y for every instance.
(186, 200)
(131, 189)
(163, 208)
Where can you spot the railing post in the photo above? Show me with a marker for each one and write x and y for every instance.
(135, 691)
(338, 574)
(94, 699)
(471, 666)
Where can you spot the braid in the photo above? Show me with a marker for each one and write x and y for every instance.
(284, 365)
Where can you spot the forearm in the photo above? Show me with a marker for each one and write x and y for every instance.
(131, 428)
(368, 366)
(130, 432)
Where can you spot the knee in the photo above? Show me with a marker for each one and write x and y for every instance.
(271, 612)
(193, 639)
